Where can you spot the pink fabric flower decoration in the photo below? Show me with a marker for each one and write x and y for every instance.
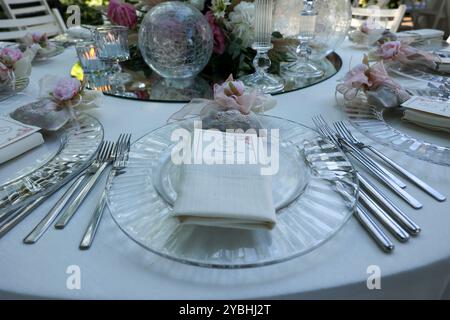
(9, 56)
(355, 80)
(389, 50)
(379, 77)
(66, 89)
(231, 95)
(218, 36)
(39, 37)
(123, 14)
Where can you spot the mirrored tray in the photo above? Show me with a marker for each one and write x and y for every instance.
(148, 86)
(314, 193)
(46, 168)
(386, 127)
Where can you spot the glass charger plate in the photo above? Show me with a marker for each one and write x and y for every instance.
(55, 51)
(20, 85)
(148, 86)
(386, 127)
(424, 75)
(46, 168)
(314, 192)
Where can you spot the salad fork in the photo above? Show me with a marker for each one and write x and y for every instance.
(345, 132)
(120, 160)
(94, 172)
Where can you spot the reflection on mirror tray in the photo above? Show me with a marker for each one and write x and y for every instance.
(148, 86)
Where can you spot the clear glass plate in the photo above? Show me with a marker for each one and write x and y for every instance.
(416, 73)
(46, 168)
(56, 50)
(314, 192)
(385, 127)
(20, 85)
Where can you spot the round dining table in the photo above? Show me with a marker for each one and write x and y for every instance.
(349, 266)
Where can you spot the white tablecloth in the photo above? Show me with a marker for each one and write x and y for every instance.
(116, 267)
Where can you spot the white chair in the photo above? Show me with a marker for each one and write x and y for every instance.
(389, 18)
(32, 15)
(13, 29)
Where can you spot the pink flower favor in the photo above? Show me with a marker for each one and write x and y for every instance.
(233, 107)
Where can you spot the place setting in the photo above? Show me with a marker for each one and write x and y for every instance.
(166, 119)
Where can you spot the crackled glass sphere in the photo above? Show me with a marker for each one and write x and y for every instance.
(332, 23)
(175, 40)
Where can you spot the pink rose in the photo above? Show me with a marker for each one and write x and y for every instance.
(66, 89)
(390, 50)
(219, 37)
(9, 56)
(123, 14)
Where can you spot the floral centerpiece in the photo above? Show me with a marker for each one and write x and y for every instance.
(232, 25)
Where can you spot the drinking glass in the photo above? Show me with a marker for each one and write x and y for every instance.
(261, 79)
(112, 42)
(304, 67)
(88, 55)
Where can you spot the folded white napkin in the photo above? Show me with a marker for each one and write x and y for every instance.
(427, 120)
(21, 146)
(230, 196)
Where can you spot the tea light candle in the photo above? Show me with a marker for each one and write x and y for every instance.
(88, 56)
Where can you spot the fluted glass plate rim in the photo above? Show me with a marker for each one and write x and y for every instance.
(348, 214)
(64, 144)
(376, 116)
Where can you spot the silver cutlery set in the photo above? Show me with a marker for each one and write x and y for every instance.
(373, 205)
(109, 153)
(372, 202)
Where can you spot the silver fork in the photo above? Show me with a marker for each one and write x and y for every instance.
(44, 224)
(346, 133)
(326, 131)
(376, 210)
(94, 172)
(120, 160)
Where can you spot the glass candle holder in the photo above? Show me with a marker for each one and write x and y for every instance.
(261, 79)
(88, 54)
(304, 67)
(112, 42)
